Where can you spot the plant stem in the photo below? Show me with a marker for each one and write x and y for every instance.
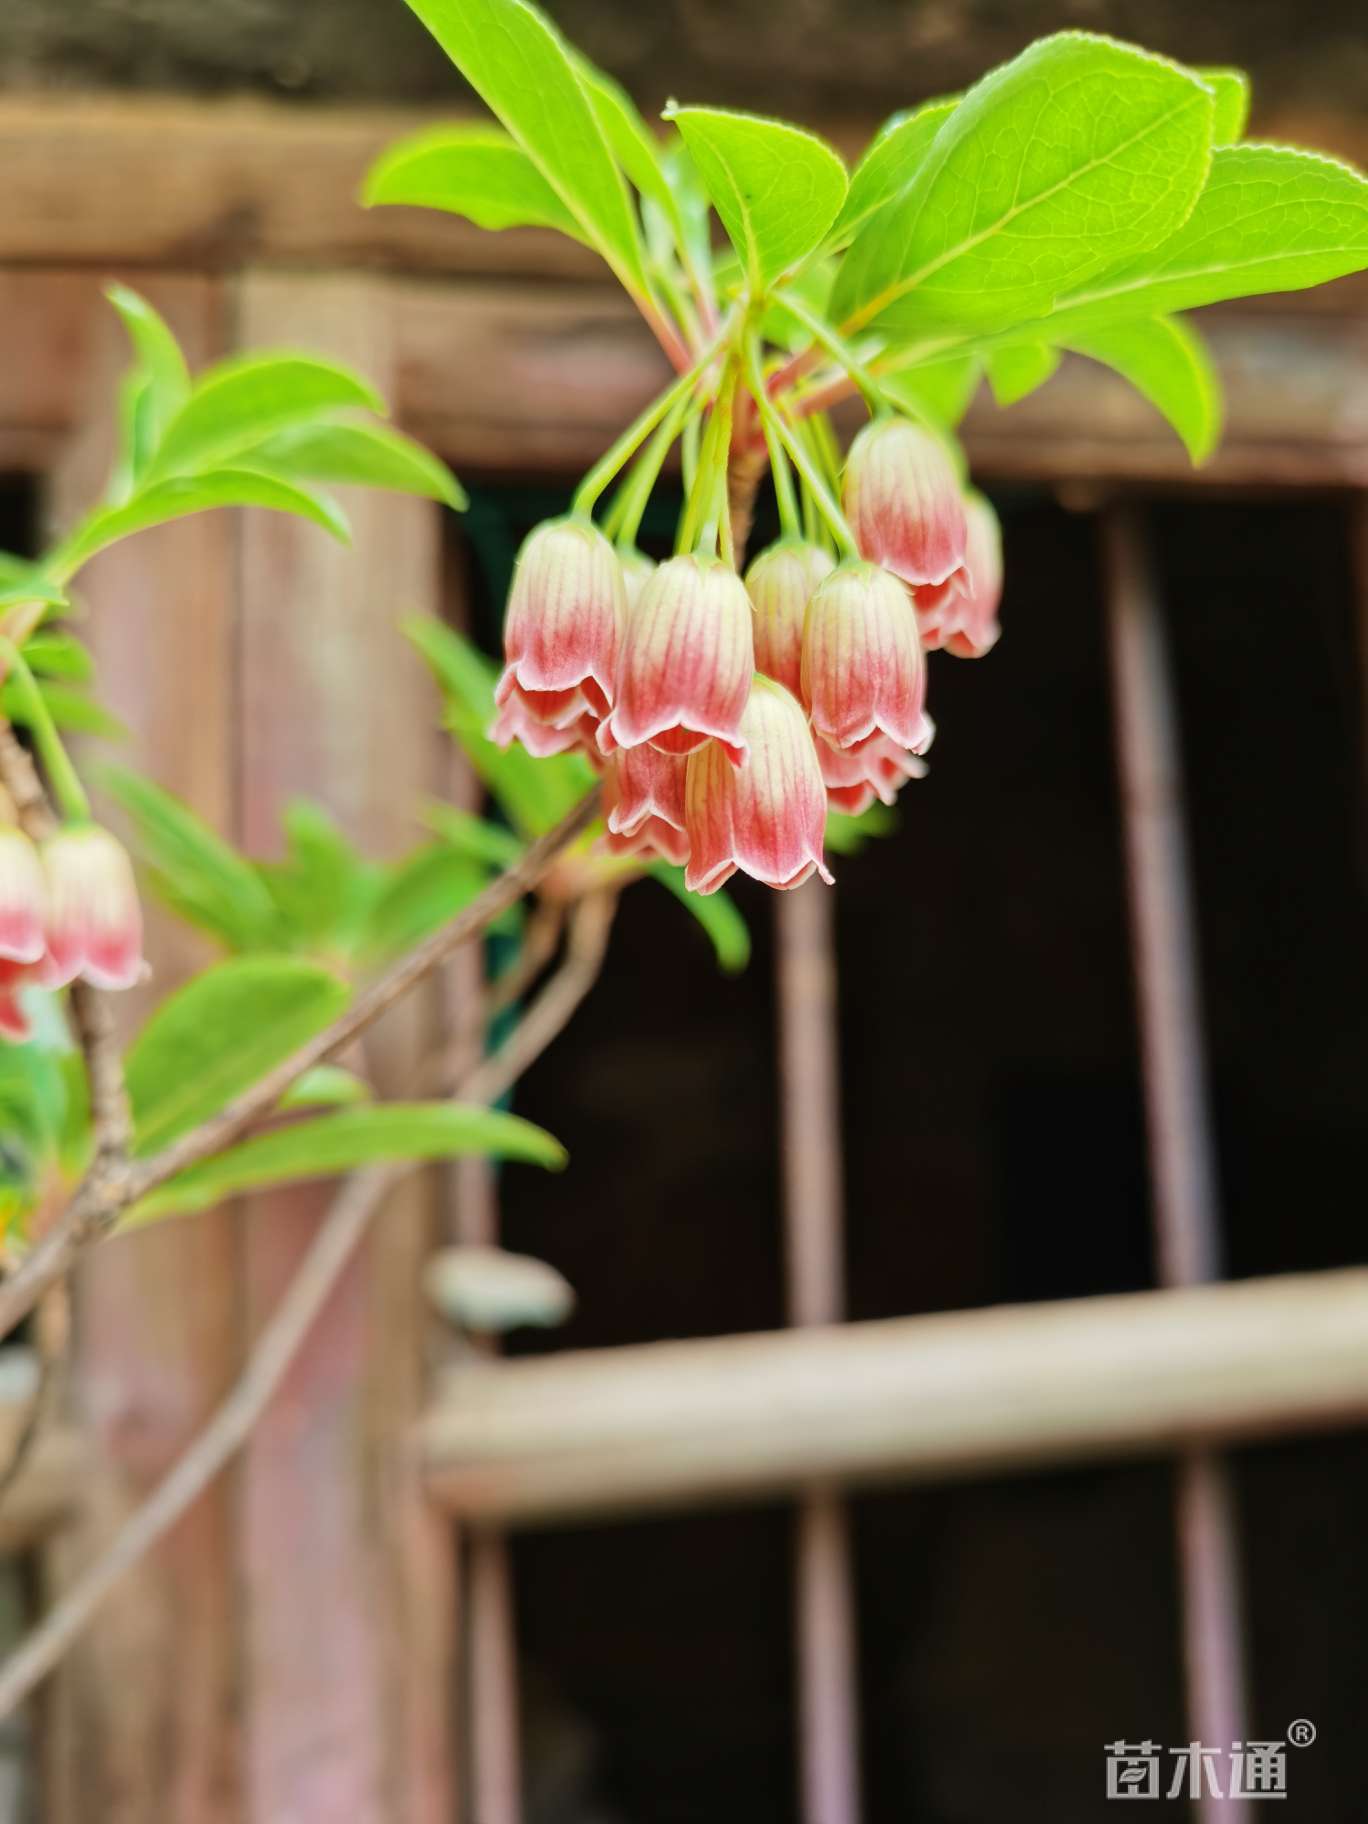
(608, 465)
(784, 495)
(70, 793)
(841, 353)
(624, 518)
(774, 420)
(710, 475)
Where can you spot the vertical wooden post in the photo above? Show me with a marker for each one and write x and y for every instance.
(146, 1704)
(1182, 1152)
(346, 1573)
(813, 1206)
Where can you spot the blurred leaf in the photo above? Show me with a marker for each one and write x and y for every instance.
(341, 1142)
(214, 1037)
(474, 170)
(474, 836)
(324, 887)
(199, 874)
(848, 835)
(776, 188)
(19, 585)
(69, 708)
(1018, 369)
(422, 892)
(367, 455)
(239, 401)
(516, 62)
(59, 655)
(716, 912)
(326, 1086)
(1167, 362)
(891, 161)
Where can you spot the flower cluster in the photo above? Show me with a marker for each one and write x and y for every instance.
(68, 908)
(727, 715)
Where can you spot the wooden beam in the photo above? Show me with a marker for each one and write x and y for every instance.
(672, 1425)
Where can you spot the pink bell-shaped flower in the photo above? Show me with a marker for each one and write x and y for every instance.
(23, 898)
(687, 659)
(766, 816)
(564, 623)
(14, 1022)
(855, 777)
(780, 583)
(94, 926)
(652, 839)
(960, 616)
(903, 501)
(863, 670)
(640, 784)
(516, 722)
(637, 571)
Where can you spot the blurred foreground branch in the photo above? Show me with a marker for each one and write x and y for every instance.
(337, 1239)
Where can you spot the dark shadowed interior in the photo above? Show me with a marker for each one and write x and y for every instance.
(994, 1152)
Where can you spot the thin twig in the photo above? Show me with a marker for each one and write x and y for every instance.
(52, 1322)
(333, 1245)
(111, 1185)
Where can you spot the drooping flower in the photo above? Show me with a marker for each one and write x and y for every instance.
(960, 616)
(780, 583)
(640, 783)
(516, 722)
(903, 501)
(637, 570)
(564, 623)
(766, 816)
(863, 671)
(23, 898)
(14, 1022)
(94, 923)
(686, 664)
(878, 768)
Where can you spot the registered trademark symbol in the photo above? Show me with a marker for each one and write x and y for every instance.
(1301, 1734)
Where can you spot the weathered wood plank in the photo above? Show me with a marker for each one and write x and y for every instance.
(674, 1425)
(346, 1571)
(220, 184)
(153, 1684)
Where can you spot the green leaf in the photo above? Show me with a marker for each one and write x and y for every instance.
(341, 1142)
(633, 144)
(241, 400)
(474, 836)
(1231, 89)
(214, 1037)
(168, 500)
(59, 655)
(1166, 361)
(69, 708)
(326, 1086)
(323, 888)
(1270, 219)
(195, 869)
(1077, 154)
(717, 913)
(848, 835)
(939, 390)
(891, 161)
(367, 455)
(1018, 369)
(515, 60)
(422, 892)
(476, 171)
(160, 362)
(20, 587)
(776, 188)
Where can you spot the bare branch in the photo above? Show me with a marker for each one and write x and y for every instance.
(333, 1245)
(112, 1183)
